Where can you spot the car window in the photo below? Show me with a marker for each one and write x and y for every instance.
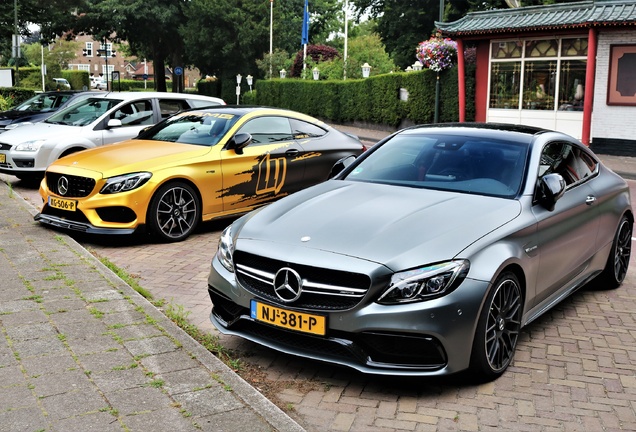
(446, 162)
(42, 102)
(134, 113)
(265, 130)
(193, 127)
(572, 163)
(196, 103)
(169, 107)
(84, 112)
(302, 129)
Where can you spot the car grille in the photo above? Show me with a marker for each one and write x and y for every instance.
(4, 146)
(323, 289)
(78, 187)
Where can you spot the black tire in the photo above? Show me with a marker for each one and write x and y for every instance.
(498, 328)
(174, 212)
(617, 264)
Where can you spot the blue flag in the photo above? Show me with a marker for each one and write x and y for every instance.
(305, 36)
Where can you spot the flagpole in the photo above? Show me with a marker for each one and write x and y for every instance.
(305, 36)
(271, 35)
(346, 31)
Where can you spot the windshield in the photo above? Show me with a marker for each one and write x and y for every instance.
(193, 127)
(84, 112)
(43, 102)
(447, 162)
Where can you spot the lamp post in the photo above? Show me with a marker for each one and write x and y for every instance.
(316, 73)
(366, 70)
(283, 73)
(238, 87)
(249, 82)
(436, 117)
(106, 53)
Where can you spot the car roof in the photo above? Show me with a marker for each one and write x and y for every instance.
(152, 94)
(513, 132)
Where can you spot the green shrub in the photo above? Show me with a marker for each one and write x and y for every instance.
(375, 100)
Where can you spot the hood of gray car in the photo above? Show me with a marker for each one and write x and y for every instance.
(390, 225)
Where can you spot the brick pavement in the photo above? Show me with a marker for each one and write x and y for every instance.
(574, 370)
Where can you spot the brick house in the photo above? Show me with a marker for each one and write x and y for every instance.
(128, 67)
(569, 67)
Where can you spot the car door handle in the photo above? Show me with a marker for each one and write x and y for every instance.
(590, 200)
(292, 152)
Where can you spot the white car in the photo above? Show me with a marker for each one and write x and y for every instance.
(107, 118)
(62, 83)
(98, 83)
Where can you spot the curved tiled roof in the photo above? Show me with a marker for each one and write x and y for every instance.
(557, 16)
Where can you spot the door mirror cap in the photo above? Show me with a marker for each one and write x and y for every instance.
(551, 189)
(340, 165)
(239, 141)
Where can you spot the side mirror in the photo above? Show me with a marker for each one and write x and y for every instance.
(550, 189)
(238, 142)
(339, 166)
(114, 123)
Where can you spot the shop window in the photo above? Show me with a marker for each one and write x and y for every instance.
(539, 85)
(542, 48)
(574, 47)
(505, 81)
(506, 50)
(548, 75)
(572, 85)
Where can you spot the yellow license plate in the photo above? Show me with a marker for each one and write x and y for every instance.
(3, 158)
(292, 320)
(62, 204)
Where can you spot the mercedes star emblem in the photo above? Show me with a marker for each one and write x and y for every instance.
(288, 285)
(62, 185)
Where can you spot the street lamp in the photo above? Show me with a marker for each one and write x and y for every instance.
(417, 66)
(316, 73)
(283, 73)
(238, 87)
(249, 82)
(366, 70)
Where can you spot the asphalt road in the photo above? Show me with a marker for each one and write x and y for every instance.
(574, 370)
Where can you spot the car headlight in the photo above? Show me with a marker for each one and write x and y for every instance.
(30, 146)
(425, 283)
(125, 182)
(225, 249)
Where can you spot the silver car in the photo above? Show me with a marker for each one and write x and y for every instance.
(104, 118)
(428, 254)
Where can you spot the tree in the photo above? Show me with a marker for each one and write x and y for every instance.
(402, 24)
(150, 28)
(54, 17)
(362, 49)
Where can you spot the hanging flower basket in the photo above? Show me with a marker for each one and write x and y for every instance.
(437, 53)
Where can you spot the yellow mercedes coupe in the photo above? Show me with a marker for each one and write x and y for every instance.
(196, 166)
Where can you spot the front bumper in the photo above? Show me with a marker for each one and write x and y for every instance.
(58, 222)
(430, 338)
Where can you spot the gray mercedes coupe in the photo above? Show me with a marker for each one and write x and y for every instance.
(428, 254)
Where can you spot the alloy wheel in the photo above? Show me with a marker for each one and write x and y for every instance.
(503, 324)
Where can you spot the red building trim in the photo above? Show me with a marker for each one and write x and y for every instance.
(588, 103)
(461, 81)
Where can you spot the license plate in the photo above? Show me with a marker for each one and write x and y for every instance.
(292, 320)
(62, 204)
(3, 158)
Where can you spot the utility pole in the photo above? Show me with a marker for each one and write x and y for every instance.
(16, 44)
